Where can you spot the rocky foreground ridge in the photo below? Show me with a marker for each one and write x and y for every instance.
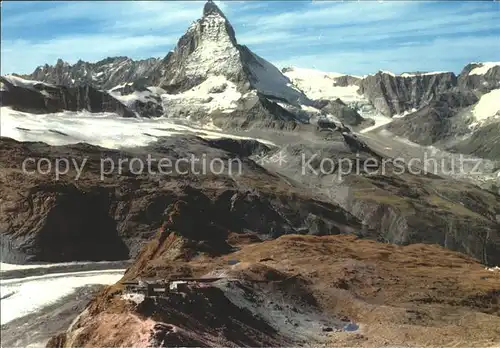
(330, 291)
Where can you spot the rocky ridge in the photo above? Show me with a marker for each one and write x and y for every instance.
(104, 74)
(49, 220)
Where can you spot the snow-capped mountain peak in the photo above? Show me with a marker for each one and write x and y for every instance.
(209, 48)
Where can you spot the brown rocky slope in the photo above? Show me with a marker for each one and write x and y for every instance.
(55, 220)
(51, 219)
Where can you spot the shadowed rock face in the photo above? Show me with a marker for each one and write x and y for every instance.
(436, 121)
(393, 95)
(484, 143)
(266, 201)
(119, 214)
(342, 112)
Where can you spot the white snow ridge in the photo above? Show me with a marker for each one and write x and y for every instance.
(270, 81)
(484, 68)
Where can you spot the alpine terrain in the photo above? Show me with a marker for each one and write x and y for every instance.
(246, 205)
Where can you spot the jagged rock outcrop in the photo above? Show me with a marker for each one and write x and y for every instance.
(483, 143)
(347, 80)
(137, 96)
(45, 98)
(342, 112)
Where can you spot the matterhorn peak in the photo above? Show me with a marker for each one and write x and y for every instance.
(211, 8)
(209, 51)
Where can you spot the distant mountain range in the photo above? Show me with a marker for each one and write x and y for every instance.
(208, 61)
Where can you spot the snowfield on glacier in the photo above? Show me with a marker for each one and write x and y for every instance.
(101, 129)
(24, 296)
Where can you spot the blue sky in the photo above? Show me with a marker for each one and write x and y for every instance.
(339, 36)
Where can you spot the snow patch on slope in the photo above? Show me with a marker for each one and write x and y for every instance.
(216, 93)
(152, 94)
(387, 72)
(293, 72)
(487, 106)
(268, 80)
(424, 74)
(484, 68)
